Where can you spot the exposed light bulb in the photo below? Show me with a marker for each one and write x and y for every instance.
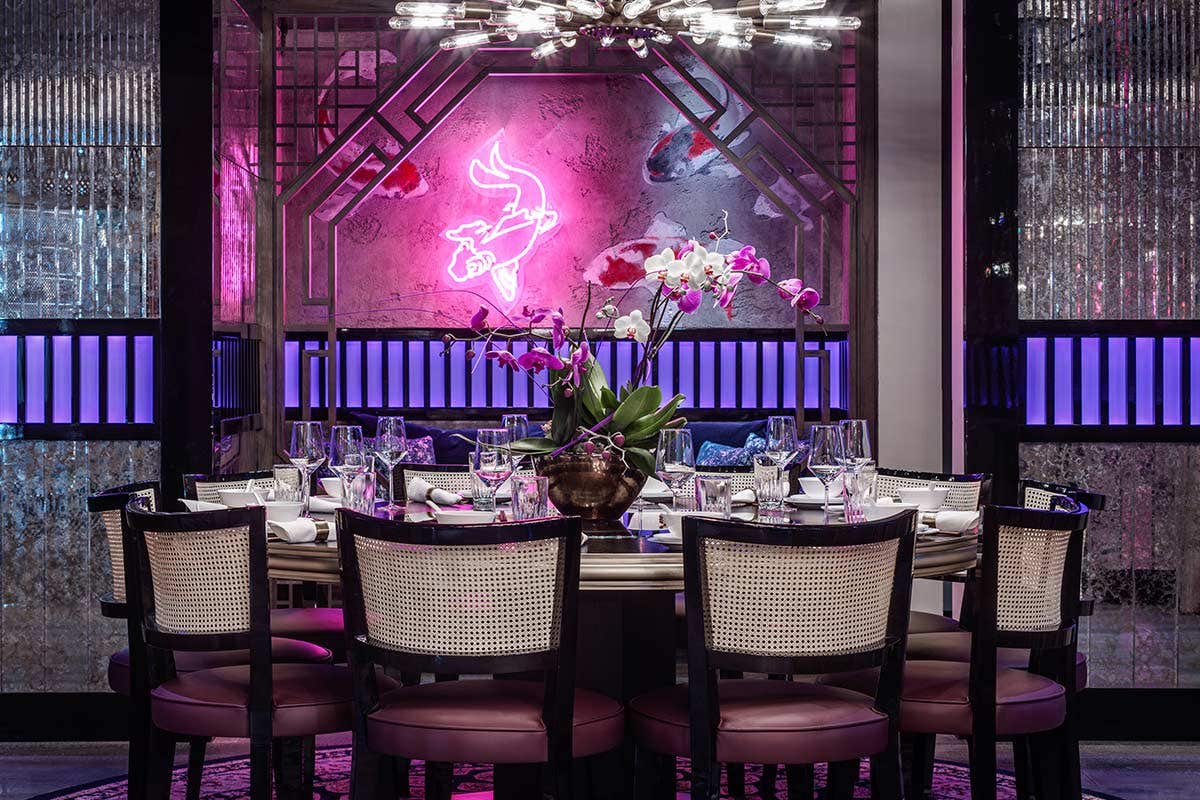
(569, 39)
(544, 49)
(464, 40)
(409, 9)
(824, 23)
(662, 37)
(607, 41)
(717, 24)
(524, 20)
(589, 8)
(769, 7)
(635, 8)
(420, 23)
(790, 39)
(638, 46)
(674, 12)
(733, 42)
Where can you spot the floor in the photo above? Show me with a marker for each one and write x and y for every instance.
(1159, 771)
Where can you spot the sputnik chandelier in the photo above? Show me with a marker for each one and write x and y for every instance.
(623, 23)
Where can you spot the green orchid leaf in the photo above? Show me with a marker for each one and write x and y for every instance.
(640, 401)
(640, 459)
(608, 399)
(534, 446)
(648, 425)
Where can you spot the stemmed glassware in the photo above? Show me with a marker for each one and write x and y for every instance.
(517, 426)
(491, 465)
(826, 456)
(856, 456)
(391, 447)
(307, 453)
(675, 462)
(348, 455)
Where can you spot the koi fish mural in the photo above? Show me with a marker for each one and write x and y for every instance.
(498, 246)
(623, 264)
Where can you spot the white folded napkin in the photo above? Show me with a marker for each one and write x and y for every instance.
(956, 521)
(744, 497)
(420, 490)
(324, 505)
(202, 505)
(300, 530)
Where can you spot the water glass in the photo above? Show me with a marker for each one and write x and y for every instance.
(391, 447)
(360, 493)
(827, 456)
(288, 479)
(860, 486)
(713, 495)
(675, 462)
(770, 484)
(530, 496)
(491, 465)
(307, 452)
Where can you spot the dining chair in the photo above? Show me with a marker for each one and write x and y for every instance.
(108, 506)
(740, 478)
(468, 600)
(1025, 594)
(197, 583)
(785, 600)
(453, 478)
(320, 625)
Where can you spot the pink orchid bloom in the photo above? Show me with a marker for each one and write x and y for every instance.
(505, 358)
(687, 248)
(756, 269)
(479, 320)
(789, 288)
(807, 299)
(538, 359)
(725, 298)
(690, 301)
(557, 334)
(578, 359)
(535, 315)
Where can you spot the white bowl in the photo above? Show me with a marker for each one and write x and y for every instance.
(283, 510)
(813, 487)
(885, 510)
(673, 520)
(927, 499)
(332, 487)
(239, 498)
(459, 517)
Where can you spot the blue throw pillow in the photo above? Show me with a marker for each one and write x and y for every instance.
(722, 455)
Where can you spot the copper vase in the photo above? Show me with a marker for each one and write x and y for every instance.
(589, 486)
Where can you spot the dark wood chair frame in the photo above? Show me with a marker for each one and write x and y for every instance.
(374, 774)
(1093, 500)
(191, 479)
(1043, 759)
(152, 650)
(704, 665)
(984, 479)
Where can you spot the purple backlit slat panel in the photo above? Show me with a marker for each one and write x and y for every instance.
(1035, 381)
(768, 379)
(1195, 381)
(499, 397)
(1172, 367)
(479, 368)
(687, 377)
(1089, 389)
(291, 374)
(374, 374)
(416, 371)
(729, 376)
(706, 396)
(60, 349)
(626, 353)
(315, 376)
(1144, 363)
(666, 377)
(521, 396)
(812, 377)
(395, 370)
(89, 378)
(835, 373)
(353, 367)
(1064, 412)
(8, 379)
(789, 374)
(143, 379)
(749, 376)
(35, 379)
(1118, 409)
(115, 379)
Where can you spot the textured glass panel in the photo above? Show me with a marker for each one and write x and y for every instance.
(1142, 564)
(79, 232)
(1109, 159)
(79, 72)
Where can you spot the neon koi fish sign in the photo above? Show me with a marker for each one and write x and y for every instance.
(499, 245)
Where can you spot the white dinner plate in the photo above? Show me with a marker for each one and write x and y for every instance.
(810, 501)
(668, 539)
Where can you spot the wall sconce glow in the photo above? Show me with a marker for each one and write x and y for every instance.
(498, 246)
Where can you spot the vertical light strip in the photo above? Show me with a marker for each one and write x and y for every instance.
(1089, 388)
(395, 370)
(706, 394)
(353, 372)
(8, 379)
(789, 375)
(1195, 381)
(374, 355)
(687, 378)
(291, 374)
(143, 379)
(35, 379)
(768, 375)
(415, 359)
(89, 379)
(812, 377)
(750, 377)
(1144, 364)
(1064, 412)
(1172, 367)
(115, 379)
(1035, 381)
(60, 349)
(666, 376)
(1118, 408)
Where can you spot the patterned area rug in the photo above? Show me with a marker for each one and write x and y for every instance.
(228, 779)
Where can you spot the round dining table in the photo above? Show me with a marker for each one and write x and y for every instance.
(628, 629)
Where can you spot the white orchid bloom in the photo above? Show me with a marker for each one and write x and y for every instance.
(707, 266)
(656, 265)
(632, 326)
(686, 273)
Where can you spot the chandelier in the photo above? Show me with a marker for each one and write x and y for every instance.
(623, 23)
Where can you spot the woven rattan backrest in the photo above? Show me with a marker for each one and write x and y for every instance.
(111, 520)
(739, 480)
(961, 495)
(1039, 498)
(1030, 578)
(462, 600)
(201, 580)
(796, 601)
(457, 480)
(209, 491)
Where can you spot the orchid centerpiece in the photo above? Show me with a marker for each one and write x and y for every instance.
(622, 424)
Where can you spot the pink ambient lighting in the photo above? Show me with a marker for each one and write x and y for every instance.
(498, 247)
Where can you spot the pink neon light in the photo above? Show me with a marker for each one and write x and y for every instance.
(498, 247)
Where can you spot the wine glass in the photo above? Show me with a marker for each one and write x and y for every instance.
(518, 429)
(826, 456)
(491, 465)
(307, 452)
(348, 455)
(783, 443)
(675, 463)
(391, 447)
(858, 443)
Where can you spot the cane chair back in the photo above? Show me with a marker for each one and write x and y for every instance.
(447, 477)
(1042, 496)
(739, 479)
(963, 492)
(207, 488)
(108, 506)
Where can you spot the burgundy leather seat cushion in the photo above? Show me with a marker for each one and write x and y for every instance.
(308, 699)
(926, 622)
(935, 699)
(765, 721)
(957, 647)
(323, 626)
(488, 721)
(283, 651)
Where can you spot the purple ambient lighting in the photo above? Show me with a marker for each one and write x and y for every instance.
(8, 379)
(143, 379)
(374, 397)
(1172, 367)
(89, 378)
(499, 245)
(1144, 362)
(729, 376)
(291, 372)
(1064, 414)
(1035, 381)
(1195, 387)
(395, 368)
(416, 372)
(60, 348)
(35, 379)
(1089, 389)
(1118, 410)
(115, 379)
(354, 355)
